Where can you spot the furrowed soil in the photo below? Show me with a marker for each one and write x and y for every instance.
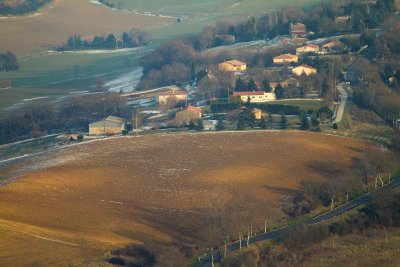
(77, 202)
(51, 25)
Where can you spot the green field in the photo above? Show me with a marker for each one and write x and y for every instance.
(307, 104)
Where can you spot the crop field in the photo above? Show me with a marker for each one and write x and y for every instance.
(75, 203)
(53, 24)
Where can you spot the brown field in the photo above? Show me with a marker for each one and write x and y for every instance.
(157, 188)
(62, 18)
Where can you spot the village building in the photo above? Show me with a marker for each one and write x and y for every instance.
(290, 82)
(232, 66)
(169, 97)
(286, 58)
(257, 113)
(188, 114)
(109, 126)
(307, 49)
(332, 46)
(255, 97)
(304, 70)
(298, 30)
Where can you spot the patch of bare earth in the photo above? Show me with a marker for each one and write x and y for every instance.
(159, 189)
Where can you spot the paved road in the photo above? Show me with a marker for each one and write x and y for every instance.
(206, 261)
(343, 100)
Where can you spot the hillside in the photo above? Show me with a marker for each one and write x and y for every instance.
(18, 7)
(158, 189)
(51, 25)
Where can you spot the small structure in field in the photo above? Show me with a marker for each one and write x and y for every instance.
(109, 126)
(257, 113)
(298, 30)
(190, 113)
(286, 58)
(232, 66)
(5, 84)
(304, 69)
(255, 97)
(307, 49)
(171, 97)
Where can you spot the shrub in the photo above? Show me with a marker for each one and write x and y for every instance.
(80, 137)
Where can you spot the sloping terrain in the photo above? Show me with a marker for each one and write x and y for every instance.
(154, 189)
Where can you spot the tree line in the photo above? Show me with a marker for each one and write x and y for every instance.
(132, 38)
(74, 114)
(21, 7)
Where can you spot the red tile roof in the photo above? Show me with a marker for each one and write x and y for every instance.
(248, 93)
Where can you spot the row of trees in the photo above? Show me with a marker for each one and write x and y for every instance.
(133, 38)
(20, 7)
(8, 61)
(42, 119)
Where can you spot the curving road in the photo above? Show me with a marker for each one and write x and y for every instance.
(343, 100)
(394, 184)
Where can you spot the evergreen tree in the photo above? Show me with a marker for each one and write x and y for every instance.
(220, 125)
(252, 86)
(283, 121)
(266, 85)
(240, 85)
(263, 123)
(279, 91)
(111, 42)
(304, 124)
(193, 72)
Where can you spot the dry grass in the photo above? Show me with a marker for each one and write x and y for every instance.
(53, 24)
(155, 189)
(377, 247)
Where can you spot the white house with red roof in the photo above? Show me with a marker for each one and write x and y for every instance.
(255, 96)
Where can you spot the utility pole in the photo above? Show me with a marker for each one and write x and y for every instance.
(228, 94)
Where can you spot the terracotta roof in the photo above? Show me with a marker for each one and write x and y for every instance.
(115, 119)
(194, 109)
(180, 92)
(235, 62)
(312, 46)
(285, 56)
(306, 67)
(248, 93)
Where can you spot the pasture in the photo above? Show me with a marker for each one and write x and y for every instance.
(158, 189)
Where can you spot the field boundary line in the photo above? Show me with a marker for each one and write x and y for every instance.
(41, 237)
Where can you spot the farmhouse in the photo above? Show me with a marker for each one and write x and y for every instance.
(109, 126)
(255, 97)
(309, 48)
(298, 30)
(173, 96)
(332, 46)
(189, 114)
(286, 58)
(304, 69)
(232, 65)
(290, 82)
